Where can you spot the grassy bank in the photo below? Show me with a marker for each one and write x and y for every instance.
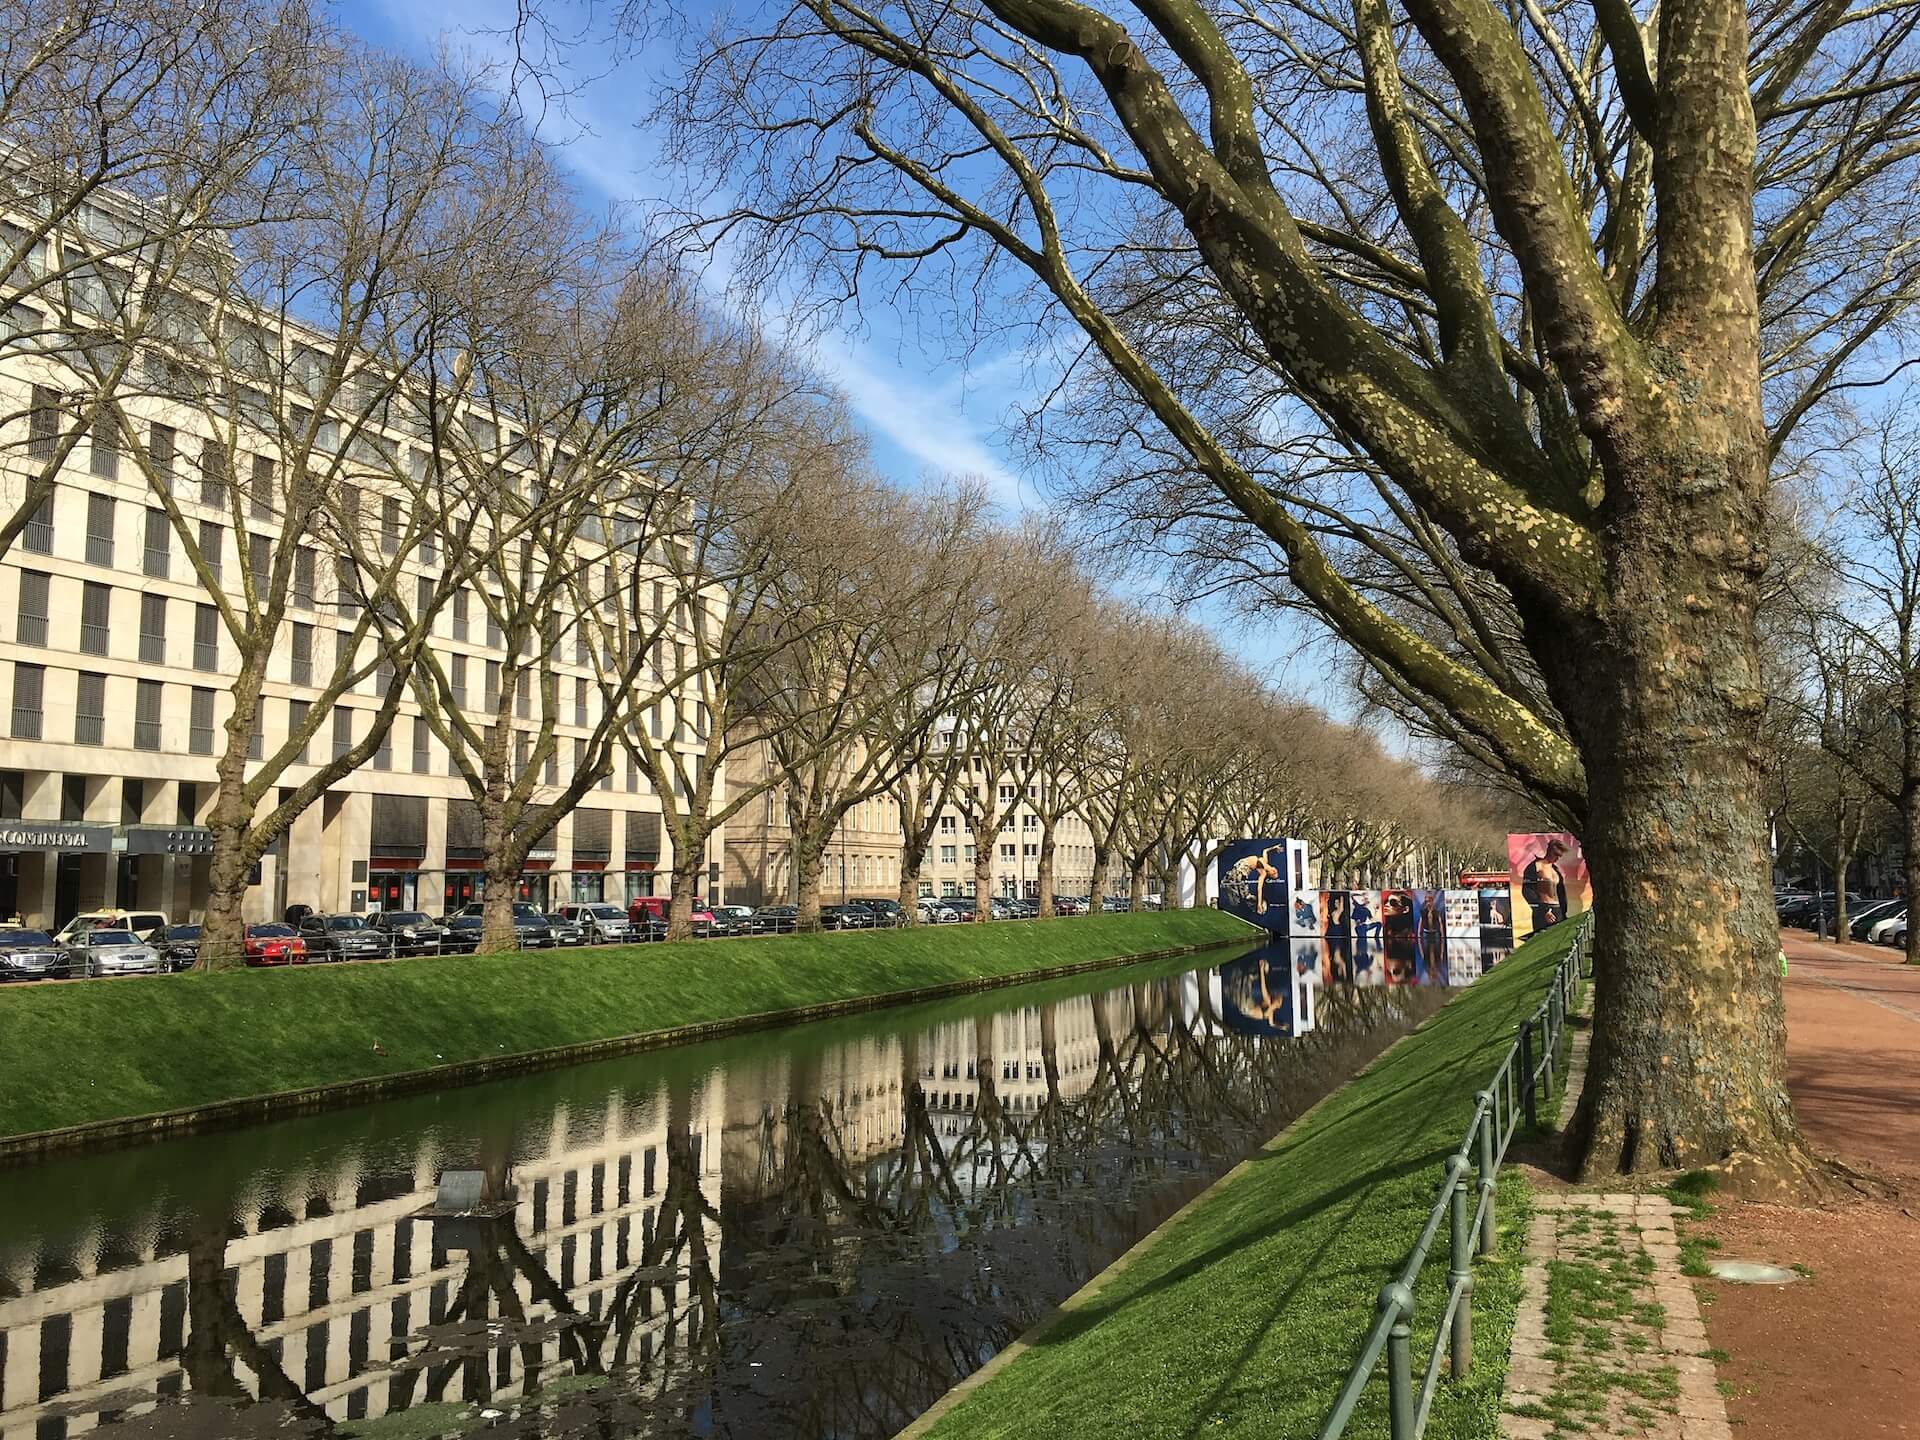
(106, 1049)
(1244, 1314)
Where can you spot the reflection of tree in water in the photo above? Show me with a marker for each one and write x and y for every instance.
(873, 1257)
(873, 1282)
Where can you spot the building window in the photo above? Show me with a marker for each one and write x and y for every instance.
(153, 629)
(146, 715)
(96, 603)
(260, 489)
(260, 563)
(206, 638)
(29, 690)
(949, 825)
(301, 672)
(99, 529)
(346, 655)
(104, 459)
(383, 751)
(580, 701)
(297, 711)
(31, 626)
(303, 571)
(389, 525)
(214, 473)
(342, 731)
(160, 451)
(520, 745)
(212, 543)
(523, 696)
(347, 591)
(43, 425)
(200, 722)
(257, 736)
(493, 631)
(552, 766)
(460, 614)
(186, 803)
(38, 534)
(157, 557)
(422, 757)
(457, 679)
(1030, 851)
(491, 696)
(422, 595)
(948, 855)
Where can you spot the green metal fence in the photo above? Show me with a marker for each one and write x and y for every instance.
(1523, 1080)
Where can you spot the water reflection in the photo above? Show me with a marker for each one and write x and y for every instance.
(796, 1239)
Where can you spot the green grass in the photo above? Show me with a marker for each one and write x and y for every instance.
(106, 1049)
(1243, 1316)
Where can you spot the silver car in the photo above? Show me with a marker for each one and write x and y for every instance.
(112, 952)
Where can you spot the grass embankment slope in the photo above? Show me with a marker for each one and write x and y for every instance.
(1243, 1316)
(107, 1049)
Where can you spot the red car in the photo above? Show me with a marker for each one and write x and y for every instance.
(275, 944)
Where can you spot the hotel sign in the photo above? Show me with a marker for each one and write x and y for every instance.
(19, 835)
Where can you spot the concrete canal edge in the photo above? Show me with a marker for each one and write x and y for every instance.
(224, 1114)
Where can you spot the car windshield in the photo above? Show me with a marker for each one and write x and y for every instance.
(20, 939)
(606, 912)
(183, 932)
(110, 937)
(525, 912)
(346, 922)
(404, 917)
(268, 932)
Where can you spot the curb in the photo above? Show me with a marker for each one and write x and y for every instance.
(227, 1114)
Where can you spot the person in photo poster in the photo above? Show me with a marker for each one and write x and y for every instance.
(1429, 917)
(1361, 905)
(1550, 881)
(1396, 913)
(1336, 960)
(1399, 959)
(1244, 881)
(1305, 922)
(1334, 919)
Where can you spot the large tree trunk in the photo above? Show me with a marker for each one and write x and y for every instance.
(1137, 884)
(1045, 877)
(1097, 884)
(686, 885)
(909, 887)
(230, 869)
(806, 880)
(501, 862)
(982, 880)
(1688, 1064)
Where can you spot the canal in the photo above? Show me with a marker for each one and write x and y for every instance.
(809, 1233)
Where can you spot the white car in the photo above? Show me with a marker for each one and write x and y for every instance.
(1890, 931)
(112, 952)
(140, 922)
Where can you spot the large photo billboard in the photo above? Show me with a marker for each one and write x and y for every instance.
(1549, 880)
(1264, 881)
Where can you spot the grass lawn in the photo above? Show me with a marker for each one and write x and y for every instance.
(1246, 1313)
(106, 1049)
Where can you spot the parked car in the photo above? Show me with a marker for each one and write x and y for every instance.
(886, 913)
(460, 934)
(529, 925)
(273, 944)
(31, 955)
(140, 922)
(777, 919)
(642, 906)
(733, 920)
(937, 912)
(179, 945)
(103, 951)
(650, 928)
(341, 937)
(1069, 905)
(565, 932)
(1861, 925)
(845, 917)
(1807, 913)
(408, 932)
(602, 924)
(1022, 909)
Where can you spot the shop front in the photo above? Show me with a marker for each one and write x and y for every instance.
(54, 869)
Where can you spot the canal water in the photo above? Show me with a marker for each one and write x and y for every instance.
(808, 1233)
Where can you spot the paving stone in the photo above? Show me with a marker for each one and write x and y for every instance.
(1519, 1427)
(1716, 1429)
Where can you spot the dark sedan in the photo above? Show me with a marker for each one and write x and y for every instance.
(341, 937)
(565, 931)
(529, 925)
(179, 945)
(777, 919)
(460, 934)
(407, 932)
(31, 955)
(846, 917)
(885, 912)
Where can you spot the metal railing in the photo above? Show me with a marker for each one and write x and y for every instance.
(1524, 1078)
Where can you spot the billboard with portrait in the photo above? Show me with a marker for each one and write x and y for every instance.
(1334, 921)
(1550, 881)
(1264, 882)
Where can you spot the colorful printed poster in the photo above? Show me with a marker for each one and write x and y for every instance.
(1550, 881)
(1463, 915)
(1363, 913)
(1334, 918)
(1496, 913)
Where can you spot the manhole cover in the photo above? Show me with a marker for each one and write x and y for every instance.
(1751, 1272)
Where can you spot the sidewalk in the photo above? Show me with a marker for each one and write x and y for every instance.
(1834, 1354)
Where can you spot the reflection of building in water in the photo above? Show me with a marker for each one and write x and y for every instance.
(335, 1275)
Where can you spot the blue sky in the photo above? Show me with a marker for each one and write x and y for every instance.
(921, 411)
